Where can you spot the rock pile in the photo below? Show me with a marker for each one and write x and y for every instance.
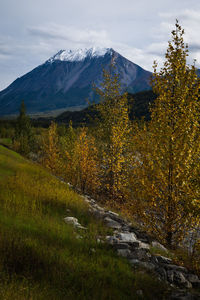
(135, 245)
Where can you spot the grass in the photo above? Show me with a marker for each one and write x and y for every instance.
(6, 141)
(41, 257)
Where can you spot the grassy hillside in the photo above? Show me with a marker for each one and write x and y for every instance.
(41, 257)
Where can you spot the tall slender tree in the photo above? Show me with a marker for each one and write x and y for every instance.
(113, 130)
(51, 151)
(23, 131)
(168, 148)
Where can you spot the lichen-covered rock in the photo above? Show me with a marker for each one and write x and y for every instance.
(159, 246)
(112, 223)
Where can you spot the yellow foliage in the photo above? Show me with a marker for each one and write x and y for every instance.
(114, 131)
(167, 162)
(51, 152)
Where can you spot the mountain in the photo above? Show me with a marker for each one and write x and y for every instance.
(66, 79)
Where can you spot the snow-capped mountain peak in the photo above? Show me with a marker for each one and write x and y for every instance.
(79, 54)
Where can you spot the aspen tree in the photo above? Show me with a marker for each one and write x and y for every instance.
(85, 163)
(51, 152)
(168, 149)
(114, 130)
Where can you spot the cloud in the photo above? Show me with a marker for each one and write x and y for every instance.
(69, 34)
(37, 32)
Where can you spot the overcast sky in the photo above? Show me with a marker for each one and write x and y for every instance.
(31, 31)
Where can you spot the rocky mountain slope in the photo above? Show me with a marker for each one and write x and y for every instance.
(66, 79)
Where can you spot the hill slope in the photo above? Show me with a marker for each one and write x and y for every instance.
(41, 257)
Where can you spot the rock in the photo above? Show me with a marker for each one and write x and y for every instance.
(141, 254)
(124, 252)
(180, 280)
(159, 246)
(182, 295)
(74, 221)
(127, 237)
(71, 220)
(97, 213)
(163, 273)
(163, 260)
(121, 246)
(170, 276)
(134, 262)
(98, 207)
(174, 268)
(147, 265)
(111, 223)
(144, 245)
(111, 239)
(142, 264)
(154, 260)
(142, 236)
(134, 245)
(194, 280)
(113, 214)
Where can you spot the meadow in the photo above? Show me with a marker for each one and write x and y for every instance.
(41, 257)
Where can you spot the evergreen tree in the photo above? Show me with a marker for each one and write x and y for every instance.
(167, 160)
(23, 131)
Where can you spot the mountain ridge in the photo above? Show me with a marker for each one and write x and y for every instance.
(66, 79)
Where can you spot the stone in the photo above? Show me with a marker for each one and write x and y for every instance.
(142, 264)
(74, 221)
(141, 254)
(111, 239)
(99, 214)
(163, 260)
(71, 220)
(170, 276)
(113, 213)
(159, 246)
(144, 245)
(124, 252)
(174, 268)
(180, 280)
(121, 246)
(194, 280)
(127, 237)
(134, 245)
(112, 224)
(182, 295)
(162, 273)
(134, 262)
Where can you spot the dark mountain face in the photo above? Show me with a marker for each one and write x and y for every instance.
(66, 80)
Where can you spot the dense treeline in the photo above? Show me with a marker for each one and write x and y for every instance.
(149, 168)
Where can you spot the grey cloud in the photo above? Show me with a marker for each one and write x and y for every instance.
(194, 47)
